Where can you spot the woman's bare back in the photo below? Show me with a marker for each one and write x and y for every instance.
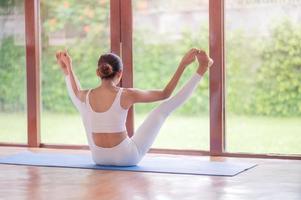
(101, 99)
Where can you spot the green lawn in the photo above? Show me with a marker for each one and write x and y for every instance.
(244, 134)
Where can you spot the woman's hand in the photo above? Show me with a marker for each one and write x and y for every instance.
(65, 61)
(189, 57)
(64, 68)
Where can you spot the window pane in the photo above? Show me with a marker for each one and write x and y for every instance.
(163, 32)
(13, 123)
(263, 76)
(83, 28)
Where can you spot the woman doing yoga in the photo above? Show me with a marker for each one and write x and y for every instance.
(104, 108)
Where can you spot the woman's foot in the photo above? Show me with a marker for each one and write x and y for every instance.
(204, 62)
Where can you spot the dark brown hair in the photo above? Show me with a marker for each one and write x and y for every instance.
(108, 65)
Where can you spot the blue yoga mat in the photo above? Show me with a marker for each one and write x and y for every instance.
(157, 164)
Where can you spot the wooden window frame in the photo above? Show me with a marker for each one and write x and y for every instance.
(216, 77)
(33, 53)
(121, 30)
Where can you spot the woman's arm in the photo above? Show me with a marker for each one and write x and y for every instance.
(76, 87)
(72, 79)
(69, 76)
(75, 100)
(144, 96)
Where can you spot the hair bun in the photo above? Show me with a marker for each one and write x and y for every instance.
(106, 70)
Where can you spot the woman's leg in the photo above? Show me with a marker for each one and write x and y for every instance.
(148, 130)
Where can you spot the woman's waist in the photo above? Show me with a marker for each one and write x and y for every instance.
(108, 140)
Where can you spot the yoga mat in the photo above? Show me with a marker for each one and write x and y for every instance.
(157, 164)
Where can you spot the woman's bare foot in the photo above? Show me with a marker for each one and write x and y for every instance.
(204, 62)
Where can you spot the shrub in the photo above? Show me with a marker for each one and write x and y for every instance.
(278, 83)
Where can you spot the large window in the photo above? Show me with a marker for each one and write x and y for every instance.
(12, 73)
(263, 76)
(262, 79)
(162, 32)
(83, 28)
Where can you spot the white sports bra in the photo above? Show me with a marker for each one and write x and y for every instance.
(111, 121)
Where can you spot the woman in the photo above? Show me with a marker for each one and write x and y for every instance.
(104, 109)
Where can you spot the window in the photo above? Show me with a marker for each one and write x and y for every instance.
(263, 76)
(12, 73)
(163, 31)
(262, 69)
(82, 27)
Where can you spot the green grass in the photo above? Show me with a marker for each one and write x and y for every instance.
(244, 134)
(264, 135)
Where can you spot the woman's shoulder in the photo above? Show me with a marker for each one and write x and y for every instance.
(83, 94)
(127, 97)
(128, 91)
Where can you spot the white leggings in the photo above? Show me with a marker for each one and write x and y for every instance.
(131, 150)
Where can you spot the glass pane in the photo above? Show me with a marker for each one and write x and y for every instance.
(13, 121)
(163, 32)
(263, 76)
(83, 28)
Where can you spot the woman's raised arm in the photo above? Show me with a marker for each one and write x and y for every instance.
(144, 96)
(75, 92)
